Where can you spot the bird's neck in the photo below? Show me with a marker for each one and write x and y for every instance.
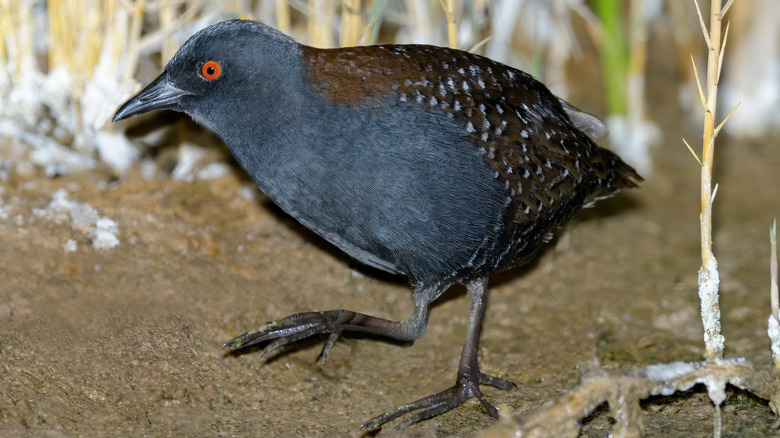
(273, 142)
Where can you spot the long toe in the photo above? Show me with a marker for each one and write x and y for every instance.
(465, 388)
(497, 382)
(424, 408)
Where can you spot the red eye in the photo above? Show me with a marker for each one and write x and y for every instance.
(211, 70)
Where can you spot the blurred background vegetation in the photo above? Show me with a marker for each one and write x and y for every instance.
(69, 63)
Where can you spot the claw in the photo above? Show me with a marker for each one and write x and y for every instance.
(325, 353)
(251, 338)
(273, 346)
(232, 345)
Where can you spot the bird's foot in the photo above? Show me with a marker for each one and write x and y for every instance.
(332, 322)
(466, 387)
(292, 329)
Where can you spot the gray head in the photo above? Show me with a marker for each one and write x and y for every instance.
(219, 71)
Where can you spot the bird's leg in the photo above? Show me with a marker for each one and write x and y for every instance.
(466, 385)
(303, 325)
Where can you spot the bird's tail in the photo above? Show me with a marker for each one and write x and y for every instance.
(615, 176)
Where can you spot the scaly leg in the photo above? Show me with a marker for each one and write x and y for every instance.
(466, 385)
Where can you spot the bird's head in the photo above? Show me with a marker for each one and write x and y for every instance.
(220, 73)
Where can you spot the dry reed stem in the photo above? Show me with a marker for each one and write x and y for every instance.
(449, 12)
(709, 279)
(479, 44)
(157, 37)
(283, 16)
(350, 22)
(320, 19)
(775, 301)
(167, 15)
(133, 40)
(7, 29)
(773, 329)
(23, 40)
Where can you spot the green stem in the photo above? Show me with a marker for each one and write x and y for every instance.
(614, 54)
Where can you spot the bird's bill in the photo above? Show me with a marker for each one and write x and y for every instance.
(160, 94)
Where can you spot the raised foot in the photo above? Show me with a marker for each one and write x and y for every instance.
(292, 329)
(465, 388)
(332, 322)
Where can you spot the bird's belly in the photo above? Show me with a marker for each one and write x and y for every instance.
(420, 204)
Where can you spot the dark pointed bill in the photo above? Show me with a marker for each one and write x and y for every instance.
(160, 94)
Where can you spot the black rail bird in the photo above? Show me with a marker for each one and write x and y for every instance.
(441, 165)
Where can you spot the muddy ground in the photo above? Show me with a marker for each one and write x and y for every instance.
(126, 341)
